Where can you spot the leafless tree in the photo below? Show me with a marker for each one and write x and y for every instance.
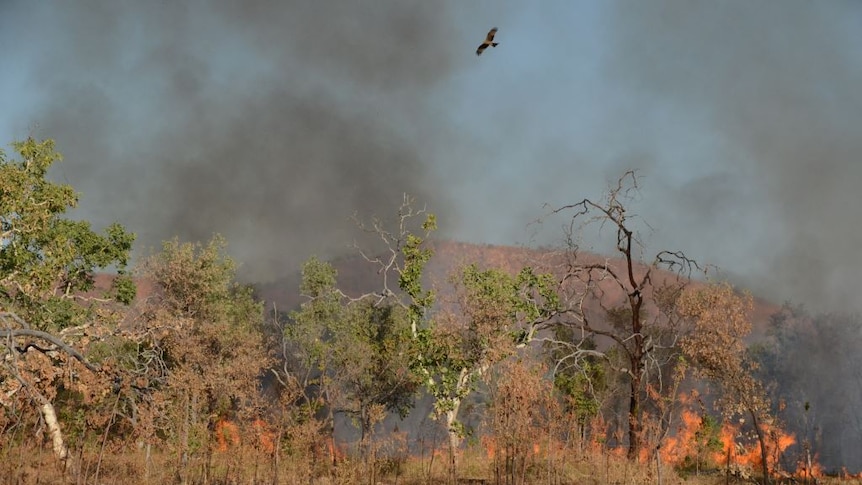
(619, 300)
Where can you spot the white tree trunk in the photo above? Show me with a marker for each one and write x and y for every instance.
(50, 415)
(57, 442)
(451, 419)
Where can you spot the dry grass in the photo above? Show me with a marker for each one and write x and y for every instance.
(26, 464)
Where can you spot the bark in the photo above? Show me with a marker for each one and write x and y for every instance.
(635, 424)
(58, 445)
(451, 419)
(454, 437)
(61, 451)
(763, 452)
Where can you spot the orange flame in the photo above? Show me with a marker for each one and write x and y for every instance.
(490, 447)
(265, 437)
(736, 449)
(227, 434)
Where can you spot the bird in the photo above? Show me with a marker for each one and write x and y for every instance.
(489, 41)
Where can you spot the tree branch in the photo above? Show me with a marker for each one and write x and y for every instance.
(9, 333)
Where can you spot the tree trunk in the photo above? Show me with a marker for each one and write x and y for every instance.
(634, 413)
(454, 436)
(763, 452)
(58, 445)
(451, 419)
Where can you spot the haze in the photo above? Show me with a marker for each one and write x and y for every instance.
(273, 122)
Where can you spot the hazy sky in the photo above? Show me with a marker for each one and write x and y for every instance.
(273, 122)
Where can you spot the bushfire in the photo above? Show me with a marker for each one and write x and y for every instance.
(701, 444)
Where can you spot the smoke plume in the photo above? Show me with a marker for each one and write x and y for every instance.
(273, 122)
(778, 84)
(268, 122)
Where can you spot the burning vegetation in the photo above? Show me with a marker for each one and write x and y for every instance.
(555, 366)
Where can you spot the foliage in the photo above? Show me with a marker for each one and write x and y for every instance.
(582, 386)
(201, 346)
(498, 313)
(705, 443)
(715, 345)
(357, 352)
(519, 417)
(46, 260)
(48, 299)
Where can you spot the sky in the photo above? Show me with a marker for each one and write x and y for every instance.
(273, 122)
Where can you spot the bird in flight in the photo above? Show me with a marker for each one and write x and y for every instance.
(489, 41)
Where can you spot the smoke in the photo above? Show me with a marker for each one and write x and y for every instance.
(271, 123)
(778, 84)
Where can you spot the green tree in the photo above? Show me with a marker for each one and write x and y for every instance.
(706, 442)
(47, 268)
(494, 314)
(582, 384)
(355, 353)
(498, 313)
(371, 353)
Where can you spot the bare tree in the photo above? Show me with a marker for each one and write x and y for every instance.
(619, 300)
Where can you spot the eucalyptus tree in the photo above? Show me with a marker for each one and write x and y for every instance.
(48, 295)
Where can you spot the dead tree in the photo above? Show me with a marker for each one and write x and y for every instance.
(637, 327)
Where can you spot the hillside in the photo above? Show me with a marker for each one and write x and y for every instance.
(357, 276)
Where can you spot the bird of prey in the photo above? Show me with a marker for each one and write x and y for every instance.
(489, 41)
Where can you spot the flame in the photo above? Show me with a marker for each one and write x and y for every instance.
(816, 470)
(490, 447)
(677, 447)
(265, 437)
(227, 434)
(738, 449)
(336, 452)
(847, 475)
(777, 441)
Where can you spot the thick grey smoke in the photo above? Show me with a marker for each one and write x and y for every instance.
(273, 122)
(779, 83)
(268, 122)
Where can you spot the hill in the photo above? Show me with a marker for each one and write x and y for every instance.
(357, 276)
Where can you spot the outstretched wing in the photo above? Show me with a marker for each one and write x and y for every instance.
(489, 41)
(490, 37)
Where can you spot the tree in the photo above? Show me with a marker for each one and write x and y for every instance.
(47, 279)
(497, 313)
(635, 325)
(208, 330)
(716, 346)
(583, 384)
(494, 314)
(357, 350)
